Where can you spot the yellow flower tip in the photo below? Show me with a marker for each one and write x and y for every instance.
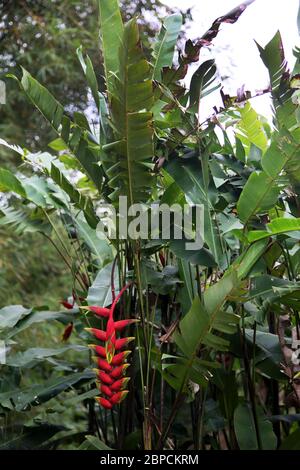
(124, 393)
(125, 382)
(92, 346)
(88, 329)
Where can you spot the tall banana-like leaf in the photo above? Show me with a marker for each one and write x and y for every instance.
(163, 50)
(79, 139)
(111, 32)
(127, 161)
(262, 189)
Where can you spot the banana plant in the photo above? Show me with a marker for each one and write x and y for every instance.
(204, 324)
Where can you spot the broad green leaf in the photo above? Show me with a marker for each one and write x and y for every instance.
(200, 257)
(10, 315)
(127, 161)
(189, 177)
(268, 346)
(81, 142)
(100, 291)
(31, 437)
(245, 262)
(292, 442)
(275, 227)
(82, 202)
(273, 57)
(41, 317)
(164, 45)
(38, 394)
(9, 182)
(258, 196)
(245, 430)
(198, 326)
(111, 31)
(201, 80)
(250, 128)
(99, 246)
(283, 154)
(30, 357)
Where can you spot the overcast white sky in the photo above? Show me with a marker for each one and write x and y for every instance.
(234, 48)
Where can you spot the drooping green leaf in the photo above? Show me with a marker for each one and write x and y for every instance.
(82, 202)
(80, 141)
(258, 196)
(30, 357)
(10, 315)
(38, 394)
(9, 182)
(41, 316)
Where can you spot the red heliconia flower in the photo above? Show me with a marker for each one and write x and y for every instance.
(104, 402)
(99, 334)
(118, 397)
(100, 311)
(106, 390)
(118, 371)
(119, 384)
(111, 361)
(102, 364)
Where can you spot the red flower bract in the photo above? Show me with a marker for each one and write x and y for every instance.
(110, 360)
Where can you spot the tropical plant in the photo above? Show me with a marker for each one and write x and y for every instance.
(212, 366)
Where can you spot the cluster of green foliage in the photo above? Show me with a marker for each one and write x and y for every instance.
(212, 366)
(43, 36)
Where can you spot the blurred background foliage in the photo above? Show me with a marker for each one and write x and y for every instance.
(42, 37)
